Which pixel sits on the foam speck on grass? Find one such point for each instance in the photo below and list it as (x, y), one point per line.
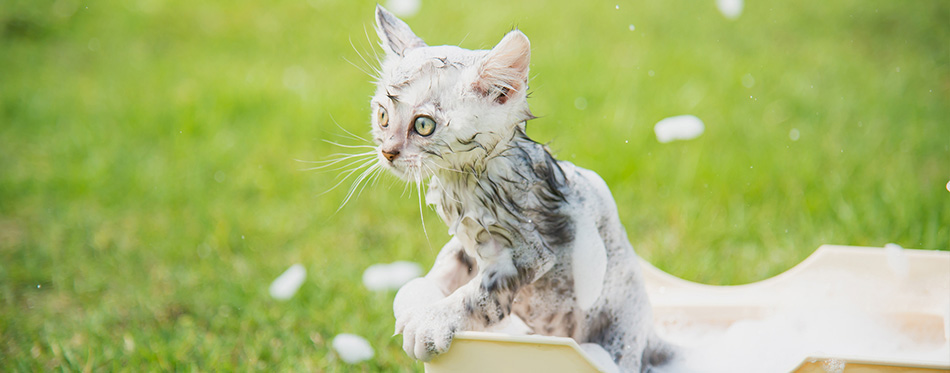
(286, 285)
(390, 276)
(352, 348)
(681, 127)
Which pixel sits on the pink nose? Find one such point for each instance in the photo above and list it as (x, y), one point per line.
(390, 154)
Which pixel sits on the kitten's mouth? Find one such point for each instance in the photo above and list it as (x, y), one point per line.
(408, 168)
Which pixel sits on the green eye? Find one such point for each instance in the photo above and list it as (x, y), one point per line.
(424, 125)
(382, 117)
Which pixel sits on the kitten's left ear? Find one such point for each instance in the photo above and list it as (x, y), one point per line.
(395, 35)
(505, 70)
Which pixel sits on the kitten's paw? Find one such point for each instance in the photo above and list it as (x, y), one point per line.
(428, 331)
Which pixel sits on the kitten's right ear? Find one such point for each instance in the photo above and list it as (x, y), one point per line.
(394, 34)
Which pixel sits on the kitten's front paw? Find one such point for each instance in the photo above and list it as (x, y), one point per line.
(427, 331)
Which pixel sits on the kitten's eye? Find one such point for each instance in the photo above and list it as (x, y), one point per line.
(382, 117)
(424, 125)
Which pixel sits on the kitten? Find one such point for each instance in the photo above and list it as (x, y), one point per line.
(532, 236)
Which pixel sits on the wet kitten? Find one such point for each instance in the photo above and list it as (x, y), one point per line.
(532, 236)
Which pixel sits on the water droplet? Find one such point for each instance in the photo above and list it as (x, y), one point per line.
(632, 27)
(794, 134)
(580, 103)
(748, 81)
(617, 7)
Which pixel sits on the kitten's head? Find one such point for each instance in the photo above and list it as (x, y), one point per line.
(444, 107)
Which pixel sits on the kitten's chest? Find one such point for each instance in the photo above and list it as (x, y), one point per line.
(473, 216)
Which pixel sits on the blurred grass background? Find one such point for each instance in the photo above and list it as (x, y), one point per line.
(149, 188)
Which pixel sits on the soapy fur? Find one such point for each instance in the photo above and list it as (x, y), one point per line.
(532, 236)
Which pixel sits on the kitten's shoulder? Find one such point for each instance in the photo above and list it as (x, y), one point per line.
(585, 183)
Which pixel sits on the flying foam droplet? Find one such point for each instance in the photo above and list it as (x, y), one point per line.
(404, 8)
(682, 127)
(352, 348)
(286, 285)
(896, 259)
(793, 134)
(390, 276)
(730, 9)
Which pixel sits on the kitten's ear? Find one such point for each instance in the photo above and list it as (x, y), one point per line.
(394, 34)
(505, 70)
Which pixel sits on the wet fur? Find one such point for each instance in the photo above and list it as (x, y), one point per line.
(520, 219)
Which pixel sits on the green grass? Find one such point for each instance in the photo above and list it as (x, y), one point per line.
(149, 188)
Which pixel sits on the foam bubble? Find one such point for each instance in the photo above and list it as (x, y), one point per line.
(286, 285)
(352, 348)
(390, 276)
(730, 9)
(416, 292)
(896, 259)
(682, 127)
(600, 357)
(833, 366)
(404, 8)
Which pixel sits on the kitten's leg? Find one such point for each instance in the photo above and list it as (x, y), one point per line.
(485, 300)
(452, 269)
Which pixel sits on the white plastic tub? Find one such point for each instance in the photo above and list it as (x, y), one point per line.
(909, 289)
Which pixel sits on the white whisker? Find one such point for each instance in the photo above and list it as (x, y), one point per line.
(421, 215)
(356, 184)
(325, 168)
(358, 67)
(351, 134)
(347, 175)
(349, 146)
(375, 70)
(375, 172)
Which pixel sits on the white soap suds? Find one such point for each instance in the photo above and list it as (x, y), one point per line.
(352, 348)
(833, 366)
(404, 8)
(600, 357)
(286, 285)
(682, 127)
(896, 259)
(511, 325)
(589, 263)
(828, 314)
(390, 276)
(779, 343)
(730, 9)
(417, 292)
